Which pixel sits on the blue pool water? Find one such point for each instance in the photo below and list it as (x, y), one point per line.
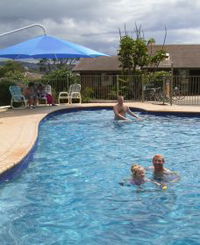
(70, 192)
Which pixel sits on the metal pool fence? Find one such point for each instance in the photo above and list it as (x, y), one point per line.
(173, 90)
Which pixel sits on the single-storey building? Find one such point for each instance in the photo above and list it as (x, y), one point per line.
(183, 61)
(184, 58)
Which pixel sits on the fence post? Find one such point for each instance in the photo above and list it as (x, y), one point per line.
(171, 89)
(142, 81)
(117, 85)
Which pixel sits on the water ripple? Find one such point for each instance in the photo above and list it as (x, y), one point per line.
(70, 193)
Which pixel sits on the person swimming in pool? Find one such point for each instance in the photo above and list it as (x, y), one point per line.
(120, 110)
(138, 177)
(160, 173)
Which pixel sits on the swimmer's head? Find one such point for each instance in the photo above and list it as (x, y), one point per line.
(138, 171)
(158, 162)
(120, 99)
(158, 159)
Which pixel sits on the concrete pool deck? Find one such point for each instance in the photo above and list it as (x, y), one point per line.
(19, 128)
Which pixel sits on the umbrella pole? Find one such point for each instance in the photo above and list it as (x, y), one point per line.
(25, 27)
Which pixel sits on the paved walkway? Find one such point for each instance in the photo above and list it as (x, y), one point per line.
(19, 128)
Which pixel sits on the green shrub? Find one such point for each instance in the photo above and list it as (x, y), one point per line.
(11, 66)
(87, 94)
(4, 91)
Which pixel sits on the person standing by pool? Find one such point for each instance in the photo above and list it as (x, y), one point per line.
(120, 110)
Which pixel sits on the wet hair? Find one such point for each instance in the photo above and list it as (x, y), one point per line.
(159, 156)
(136, 167)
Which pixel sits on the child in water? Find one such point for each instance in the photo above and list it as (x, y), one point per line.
(139, 177)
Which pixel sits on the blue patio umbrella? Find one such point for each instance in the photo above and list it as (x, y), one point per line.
(48, 47)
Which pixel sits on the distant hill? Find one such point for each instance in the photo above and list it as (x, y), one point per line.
(30, 65)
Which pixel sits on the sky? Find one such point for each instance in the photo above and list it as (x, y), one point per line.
(96, 23)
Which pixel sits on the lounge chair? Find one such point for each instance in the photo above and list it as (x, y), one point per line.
(74, 93)
(17, 97)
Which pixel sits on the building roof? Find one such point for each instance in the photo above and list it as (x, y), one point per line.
(182, 56)
(103, 63)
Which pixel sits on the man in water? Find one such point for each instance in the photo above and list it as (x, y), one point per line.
(120, 110)
(160, 173)
(158, 164)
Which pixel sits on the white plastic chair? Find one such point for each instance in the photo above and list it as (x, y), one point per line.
(74, 93)
(63, 96)
(17, 97)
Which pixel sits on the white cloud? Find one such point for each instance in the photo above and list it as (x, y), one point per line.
(95, 24)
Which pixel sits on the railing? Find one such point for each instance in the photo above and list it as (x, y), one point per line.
(172, 90)
(176, 90)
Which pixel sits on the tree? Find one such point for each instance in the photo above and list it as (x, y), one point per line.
(135, 54)
(126, 54)
(138, 57)
(11, 67)
(11, 73)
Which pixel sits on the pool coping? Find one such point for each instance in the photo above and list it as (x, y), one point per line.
(19, 128)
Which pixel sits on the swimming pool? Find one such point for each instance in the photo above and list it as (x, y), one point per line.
(70, 192)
